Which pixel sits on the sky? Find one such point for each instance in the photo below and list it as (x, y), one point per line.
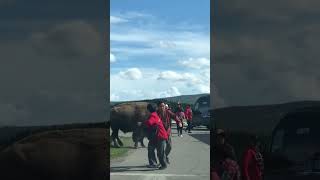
(266, 52)
(159, 49)
(52, 62)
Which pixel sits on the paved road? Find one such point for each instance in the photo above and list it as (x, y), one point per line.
(190, 160)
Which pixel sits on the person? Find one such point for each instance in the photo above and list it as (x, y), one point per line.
(253, 164)
(180, 109)
(165, 116)
(157, 136)
(220, 147)
(181, 116)
(214, 175)
(227, 169)
(188, 114)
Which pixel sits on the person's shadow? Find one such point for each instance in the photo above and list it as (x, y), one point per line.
(131, 168)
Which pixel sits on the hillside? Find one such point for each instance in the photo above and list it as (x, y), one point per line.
(185, 99)
(255, 119)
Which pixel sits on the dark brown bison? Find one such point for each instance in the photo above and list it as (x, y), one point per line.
(79, 154)
(128, 117)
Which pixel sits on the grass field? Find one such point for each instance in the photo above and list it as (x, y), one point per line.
(122, 151)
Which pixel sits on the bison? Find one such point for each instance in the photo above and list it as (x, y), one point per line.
(129, 117)
(57, 155)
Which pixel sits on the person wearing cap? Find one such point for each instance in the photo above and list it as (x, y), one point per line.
(220, 147)
(166, 115)
(252, 165)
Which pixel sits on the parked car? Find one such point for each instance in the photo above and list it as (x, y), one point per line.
(295, 147)
(201, 112)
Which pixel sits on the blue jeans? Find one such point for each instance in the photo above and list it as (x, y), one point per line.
(161, 147)
(151, 153)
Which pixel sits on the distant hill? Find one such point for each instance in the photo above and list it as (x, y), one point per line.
(185, 99)
(255, 119)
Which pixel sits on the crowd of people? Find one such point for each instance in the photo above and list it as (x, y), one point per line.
(226, 165)
(159, 131)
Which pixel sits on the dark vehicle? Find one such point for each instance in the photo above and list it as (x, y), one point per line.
(295, 147)
(201, 113)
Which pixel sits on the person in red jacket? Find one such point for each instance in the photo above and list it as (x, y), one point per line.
(166, 115)
(182, 117)
(188, 114)
(252, 161)
(159, 140)
(214, 175)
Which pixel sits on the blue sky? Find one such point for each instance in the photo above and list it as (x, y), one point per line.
(159, 48)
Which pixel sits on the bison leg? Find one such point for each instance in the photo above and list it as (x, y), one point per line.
(118, 139)
(141, 142)
(135, 138)
(114, 138)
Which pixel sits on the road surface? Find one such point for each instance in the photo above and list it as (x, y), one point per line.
(189, 160)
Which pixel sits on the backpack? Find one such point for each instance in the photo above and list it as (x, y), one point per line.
(231, 170)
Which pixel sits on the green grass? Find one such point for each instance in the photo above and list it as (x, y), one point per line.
(122, 151)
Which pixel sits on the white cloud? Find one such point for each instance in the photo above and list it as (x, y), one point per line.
(112, 58)
(131, 74)
(174, 76)
(162, 41)
(169, 75)
(196, 63)
(128, 95)
(148, 87)
(203, 88)
(142, 39)
(114, 97)
(167, 44)
(173, 91)
(116, 20)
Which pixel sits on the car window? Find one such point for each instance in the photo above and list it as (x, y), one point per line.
(196, 107)
(277, 144)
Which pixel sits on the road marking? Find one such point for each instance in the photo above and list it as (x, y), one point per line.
(158, 174)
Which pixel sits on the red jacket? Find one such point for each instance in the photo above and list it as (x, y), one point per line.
(155, 120)
(166, 120)
(214, 175)
(251, 169)
(188, 114)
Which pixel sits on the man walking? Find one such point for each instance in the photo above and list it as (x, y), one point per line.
(166, 115)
